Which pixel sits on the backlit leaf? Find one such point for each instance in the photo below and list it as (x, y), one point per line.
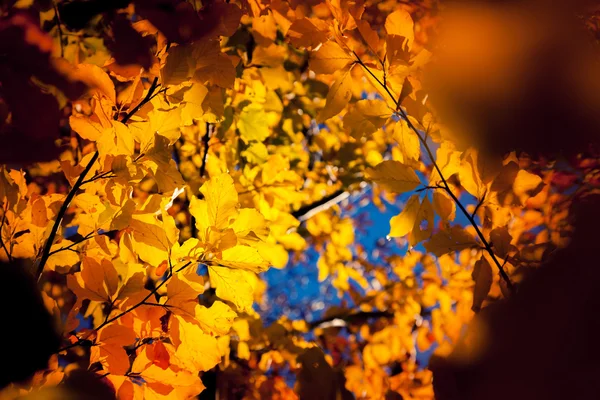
(394, 176)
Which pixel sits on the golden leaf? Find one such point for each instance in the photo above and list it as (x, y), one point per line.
(329, 58)
(394, 176)
(233, 285)
(453, 239)
(403, 223)
(338, 96)
(253, 123)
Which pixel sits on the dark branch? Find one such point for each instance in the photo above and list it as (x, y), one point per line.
(205, 140)
(304, 213)
(79, 182)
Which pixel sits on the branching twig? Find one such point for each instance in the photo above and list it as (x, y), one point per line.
(102, 175)
(479, 205)
(79, 182)
(86, 237)
(61, 214)
(445, 184)
(108, 320)
(146, 99)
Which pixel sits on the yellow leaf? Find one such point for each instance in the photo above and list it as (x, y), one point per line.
(62, 260)
(196, 351)
(444, 206)
(454, 239)
(253, 123)
(338, 96)
(243, 257)
(270, 56)
(394, 176)
(179, 65)
(233, 285)
(400, 23)
(483, 277)
(86, 127)
(469, 176)
(500, 240)
(250, 226)
(448, 161)
(408, 143)
(329, 58)
(150, 240)
(116, 140)
(96, 281)
(193, 99)
(217, 319)
(304, 33)
(423, 223)
(403, 223)
(98, 80)
(526, 185)
(256, 153)
(366, 117)
(369, 35)
(183, 294)
(221, 200)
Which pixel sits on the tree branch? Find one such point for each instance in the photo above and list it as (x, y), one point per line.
(79, 182)
(107, 321)
(205, 140)
(61, 214)
(445, 184)
(348, 318)
(307, 211)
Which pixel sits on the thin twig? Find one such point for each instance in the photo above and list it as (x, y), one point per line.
(79, 182)
(306, 212)
(116, 317)
(205, 140)
(103, 175)
(146, 99)
(1, 228)
(479, 205)
(61, 214)
(86, 237)
(60, 32)
(445, 184)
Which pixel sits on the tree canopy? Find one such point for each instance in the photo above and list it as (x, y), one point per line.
(160, 155)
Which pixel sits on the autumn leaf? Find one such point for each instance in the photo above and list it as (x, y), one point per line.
(329, 58)
(483, 277)
(338, 96)
(394, 176)
(404, 222)
(253, 123)
(233, 285)
(423, 223)
(196, 350)
(444, 205)
(446, 241)
(366, 117)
